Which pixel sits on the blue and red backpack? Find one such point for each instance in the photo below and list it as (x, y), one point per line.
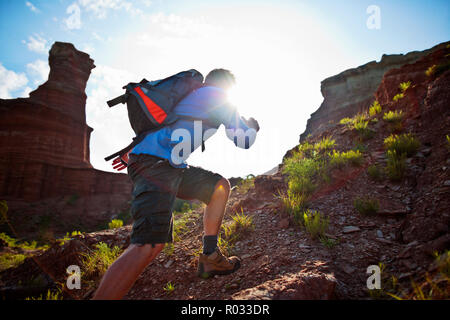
(150, 106)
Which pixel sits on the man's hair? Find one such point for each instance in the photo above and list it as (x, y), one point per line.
(220, 78)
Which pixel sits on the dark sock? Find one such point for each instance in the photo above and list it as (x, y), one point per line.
(209, 244)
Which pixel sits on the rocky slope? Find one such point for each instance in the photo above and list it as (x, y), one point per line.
(44, 154)
(352, 91)
(280, 260)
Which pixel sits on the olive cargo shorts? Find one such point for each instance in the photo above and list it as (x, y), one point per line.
(156, 184)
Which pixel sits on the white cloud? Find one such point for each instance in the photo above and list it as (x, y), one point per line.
(26, 92)
(32, 7)
(38, 70)
(74, 20)
(10, 81)
(37, 44)
(100, 7)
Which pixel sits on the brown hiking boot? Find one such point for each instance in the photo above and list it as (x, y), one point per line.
(216, 263)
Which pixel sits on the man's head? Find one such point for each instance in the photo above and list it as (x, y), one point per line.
(221, 78)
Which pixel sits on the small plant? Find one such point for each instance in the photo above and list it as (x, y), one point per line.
(393, 116)
(234, 231)
(366, 205)
(328, 242)
(301, 172)
(375, 108)
(396, 165)
(169, 288)
(315, 223)
(49, 296)
(431, 70)
(405, 143)
(169, 249)
(375, 173)
(346, 121)
(436, 70)
(246, 184)
(448, 140)
(98, 261)
(115, 223)
(239, 226)
(225, 245)
(360, 147)
(324, 145)
(404, 86)
(341, 159)
(398, 96)
(294, 204)
(10, 260)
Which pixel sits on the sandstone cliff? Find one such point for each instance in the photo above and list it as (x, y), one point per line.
(44, 142)
(353, 90)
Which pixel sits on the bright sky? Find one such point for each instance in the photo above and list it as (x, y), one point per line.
(279, 51)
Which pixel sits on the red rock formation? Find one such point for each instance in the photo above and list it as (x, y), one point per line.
(352, 90)
(45, 139)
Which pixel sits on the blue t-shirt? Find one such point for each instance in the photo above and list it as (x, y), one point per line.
(176, 141)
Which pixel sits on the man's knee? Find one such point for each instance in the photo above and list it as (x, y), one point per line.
(223, 185)
(149, 251)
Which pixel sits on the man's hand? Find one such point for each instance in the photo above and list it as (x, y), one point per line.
(251, 123)
(121, 163)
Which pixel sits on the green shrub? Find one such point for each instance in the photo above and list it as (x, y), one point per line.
(294, 204)
(10, 260)
(325, 144)
(431, 70)
(366, 205)
(98, 261)
(396, 165)
(375, 108)
(246, 184)
(49, 296)
(436, 70)
(302, 172)
(169, 288)
(404, 86)
(328, 242)
(115, 223)
(240, 225)
(375, 173)
(341, 159)
(360, 147)
(14, 243)
(315, 223)
(404, 143)
(346, 121)
(393, 116)
(301, 185)
(398, 96)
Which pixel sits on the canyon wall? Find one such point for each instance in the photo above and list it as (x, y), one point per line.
(352, 91)
(45, 141)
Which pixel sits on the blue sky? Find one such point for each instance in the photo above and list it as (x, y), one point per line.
(279, 51)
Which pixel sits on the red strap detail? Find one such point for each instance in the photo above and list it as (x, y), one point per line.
(155, 110)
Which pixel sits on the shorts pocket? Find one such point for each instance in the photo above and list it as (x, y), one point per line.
(142, 187)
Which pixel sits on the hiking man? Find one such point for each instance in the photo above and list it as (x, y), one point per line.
(159, 177)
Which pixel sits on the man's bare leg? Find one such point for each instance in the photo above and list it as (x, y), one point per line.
(122, 274)
(212, 219)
